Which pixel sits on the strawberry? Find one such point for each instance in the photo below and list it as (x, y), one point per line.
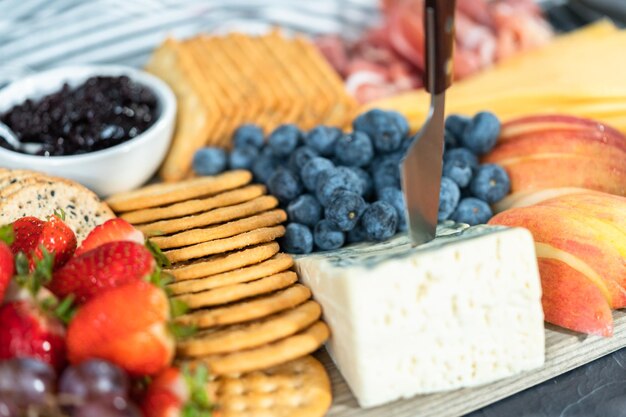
(126, 325)
(33, 234)
(7, 263)
(107, 266)
(28, 331)
(175, 393)
(110, 231)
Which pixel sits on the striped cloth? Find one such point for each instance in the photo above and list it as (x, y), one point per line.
(40, 34)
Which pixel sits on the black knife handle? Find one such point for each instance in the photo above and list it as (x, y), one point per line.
(438, 26)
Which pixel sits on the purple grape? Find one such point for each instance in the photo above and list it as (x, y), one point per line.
(8, 407)
(117, 408)
(26, 381)
(93, 379)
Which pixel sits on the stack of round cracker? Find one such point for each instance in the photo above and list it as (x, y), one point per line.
(220, 235)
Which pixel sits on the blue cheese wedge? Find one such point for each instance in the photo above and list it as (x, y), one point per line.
(460, 311)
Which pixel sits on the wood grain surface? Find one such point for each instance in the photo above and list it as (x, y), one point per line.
(564, 351)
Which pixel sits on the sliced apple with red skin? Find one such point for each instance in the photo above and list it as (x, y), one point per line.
(555, 151)
(529, 198)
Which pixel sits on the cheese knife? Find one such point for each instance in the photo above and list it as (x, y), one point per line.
(422, 165)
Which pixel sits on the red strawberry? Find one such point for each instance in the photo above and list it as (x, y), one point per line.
(110, 231)
(126, 325)
(173, 390)
(27, 331)
(7, 268)
(107, 266)
(31, 234)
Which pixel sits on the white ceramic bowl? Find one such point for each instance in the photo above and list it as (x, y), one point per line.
(108, 171)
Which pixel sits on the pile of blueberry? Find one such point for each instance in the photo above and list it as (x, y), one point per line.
(342, 188)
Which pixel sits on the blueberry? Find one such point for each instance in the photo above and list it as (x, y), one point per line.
(312, 169)
(357, 234)
(248, 135)
(345, 209)
(450, 141)
(209, 161)
(380, 221)
(354, 149)
(458, 170)
(327, 237)
(491, 183)
(400, 121)
(449, 196)
(339, 178)
(456, 124)
(305, 209)
(472, 211)
(300, 157)
(284, 185)
(461, 154)
(386, 173)
(481, 133)
(322, 139)
(367, 184)
(284, 140)
(382, 128)
(395, 197)
(243, 157)
(298, 239)
(264, 167)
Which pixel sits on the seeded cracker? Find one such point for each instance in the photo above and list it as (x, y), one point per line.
(195, 117)
(253, 308)
(223, 263)
(216, 216)
(271, 354)
(195, 236)
(279, 263)
(299, 388)
(231, 293)
(252, 334)
(157, 195)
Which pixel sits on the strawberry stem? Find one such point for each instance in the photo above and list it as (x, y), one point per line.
(158, 255)
(6, 234)
(199, 404)
(65, 310)
(60, 213)
(181, 332)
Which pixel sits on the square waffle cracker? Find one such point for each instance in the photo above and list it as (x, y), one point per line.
(271, 354)
(274, 48)
(250, 334)
(237, 292)
(285, 89)
(278, 263)
(250, 309)
(254, 85)
(195, 206)
(157, 195)
(214, 247)
(196, 116)
(240, 89)
(300, 388)
(218, 264)
(211, 217)
(214, 89)
(196, 236)
(343, 104)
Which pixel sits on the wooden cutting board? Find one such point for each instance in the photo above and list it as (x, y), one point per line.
(565, 350)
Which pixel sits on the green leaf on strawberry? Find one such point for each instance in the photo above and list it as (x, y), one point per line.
(7, 235)
(199, 404)
(159, 257)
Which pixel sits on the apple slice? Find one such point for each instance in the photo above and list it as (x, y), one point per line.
(529, 198)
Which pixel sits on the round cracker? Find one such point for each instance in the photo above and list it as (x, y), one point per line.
(290, 348)
(243, 240)
(251, 334)
(300, 388)
(167, 193)
(187, 208)
(278, 263)
(231, 293)
(224, 262)
(255, 308)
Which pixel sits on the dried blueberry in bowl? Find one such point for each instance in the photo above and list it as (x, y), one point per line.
(101, 112)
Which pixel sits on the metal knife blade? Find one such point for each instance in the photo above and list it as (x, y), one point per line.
(422, 166)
